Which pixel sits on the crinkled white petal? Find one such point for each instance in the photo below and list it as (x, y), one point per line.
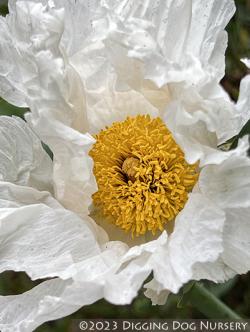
(246, 62)
(228, 186)
(74, 182)
(57, 91)
(197, 238)
(210, 105)
(49, 300)
(23, 159)
(116, 107)
(243, 103)
(106, 71)
(207, 38)
(175, 39)
(11, 87)
(74, 80)
(56, 99)
(236, 239)
(57, 94)
(30, 28)
(196, 241)
(43, 239)
(105, 101)
(62, 238)
(156, 292)
(15, 196)
(201, 120)
(136, 266)
(217, 271)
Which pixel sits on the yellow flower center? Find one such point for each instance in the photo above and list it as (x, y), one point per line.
(142, 176)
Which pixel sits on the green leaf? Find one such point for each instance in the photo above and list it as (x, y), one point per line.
(8, 109)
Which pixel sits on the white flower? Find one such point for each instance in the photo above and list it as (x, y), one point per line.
(80, 68)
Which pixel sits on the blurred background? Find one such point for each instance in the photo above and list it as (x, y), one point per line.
(236, 292)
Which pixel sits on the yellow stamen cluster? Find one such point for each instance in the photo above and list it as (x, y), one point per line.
(143, 179)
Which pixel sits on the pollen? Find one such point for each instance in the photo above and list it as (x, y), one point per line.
(142, 176)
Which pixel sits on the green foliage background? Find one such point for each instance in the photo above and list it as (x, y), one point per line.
(236, 292)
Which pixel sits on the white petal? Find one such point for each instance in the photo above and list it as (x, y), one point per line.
(243, 103)
(197, 238)
(236, 239)
(217, 271)
(50, 300)
(57, 112)
(14, 196)
(246, 62)
(23, 159)
(11, 87)
(56, 100)
(123, 287)
(228, 184)
(116, 107)
(43, 240)
(94, 66)
(40, 237)
(190, 133)
(106, 101)
(74, 182)
(156, 292)
(201, 122)
(207, 38)
(186, 42)
(136, 265)
(175, 39)
(36, 30)
(30, 28)
(51, 84)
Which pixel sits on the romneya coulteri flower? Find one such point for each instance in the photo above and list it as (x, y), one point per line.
(126, 95)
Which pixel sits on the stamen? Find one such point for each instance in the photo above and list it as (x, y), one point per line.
(142, 176)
